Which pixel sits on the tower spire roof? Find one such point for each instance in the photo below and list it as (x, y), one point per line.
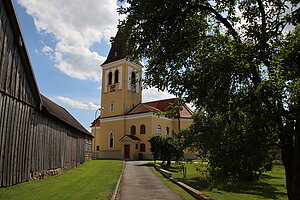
(118, 47)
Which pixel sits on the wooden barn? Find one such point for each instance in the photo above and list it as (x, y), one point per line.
(37, 137)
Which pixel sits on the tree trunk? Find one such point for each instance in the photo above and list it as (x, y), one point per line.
(168, 162)
(290, 152)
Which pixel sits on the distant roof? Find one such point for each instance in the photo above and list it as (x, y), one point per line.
(161, 106)
(61, 113)
(96, 122)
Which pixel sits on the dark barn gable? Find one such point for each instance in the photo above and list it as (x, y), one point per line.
(37, 137)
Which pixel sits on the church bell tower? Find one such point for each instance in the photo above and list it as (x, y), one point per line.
(121, 80)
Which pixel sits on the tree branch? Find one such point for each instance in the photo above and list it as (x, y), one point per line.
(220, 18)
(263, 16)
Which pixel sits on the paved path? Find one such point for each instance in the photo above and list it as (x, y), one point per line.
(139, 183)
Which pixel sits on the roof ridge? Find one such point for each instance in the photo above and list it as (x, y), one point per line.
(161, 100)
(147, 106)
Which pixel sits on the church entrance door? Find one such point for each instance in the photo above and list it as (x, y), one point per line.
(127, 151)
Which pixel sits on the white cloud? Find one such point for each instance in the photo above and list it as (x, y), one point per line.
(152, 94)
(47, 49)
(78, 104)
(76, 26)
(78, 62)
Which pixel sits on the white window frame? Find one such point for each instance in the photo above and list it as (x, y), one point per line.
(112, 107)
(159, 129)
(113, 137)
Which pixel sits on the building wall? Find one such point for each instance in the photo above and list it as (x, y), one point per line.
(121, 126)
(33, 144)
(117, 128)
(122, 98)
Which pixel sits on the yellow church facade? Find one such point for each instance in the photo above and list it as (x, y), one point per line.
(126, 124)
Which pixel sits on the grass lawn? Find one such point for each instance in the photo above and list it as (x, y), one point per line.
(271, 185)
(95, 179)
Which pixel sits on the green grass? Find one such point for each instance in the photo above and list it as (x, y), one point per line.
(95, 179)
(178, 190)
(270, 186)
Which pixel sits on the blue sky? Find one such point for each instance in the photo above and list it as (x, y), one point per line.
(67, 41)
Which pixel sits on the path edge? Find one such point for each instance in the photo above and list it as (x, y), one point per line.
(192, 191)
(115, 195)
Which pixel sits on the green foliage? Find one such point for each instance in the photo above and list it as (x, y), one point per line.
(165, 148)
(233, 149)
(216, 52)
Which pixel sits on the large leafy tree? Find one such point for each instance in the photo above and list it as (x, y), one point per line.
(220, 51)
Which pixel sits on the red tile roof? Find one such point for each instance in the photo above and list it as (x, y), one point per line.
(160, 106)
(96, 122)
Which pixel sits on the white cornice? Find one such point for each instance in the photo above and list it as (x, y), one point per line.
(185, 120)
(141, 115)
(121, 61)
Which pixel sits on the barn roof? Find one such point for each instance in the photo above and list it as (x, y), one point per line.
(61, 113)
(161, 106)
(22, 49)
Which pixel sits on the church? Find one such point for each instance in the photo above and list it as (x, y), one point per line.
(126, 124)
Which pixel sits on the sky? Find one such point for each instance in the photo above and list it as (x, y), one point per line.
(67, 41)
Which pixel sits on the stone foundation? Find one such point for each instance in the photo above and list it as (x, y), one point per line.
(51, 172)
(45, 173)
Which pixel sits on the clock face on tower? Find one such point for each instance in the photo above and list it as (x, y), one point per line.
(112, 88)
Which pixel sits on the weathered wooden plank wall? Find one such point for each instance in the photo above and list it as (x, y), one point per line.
(31, 140)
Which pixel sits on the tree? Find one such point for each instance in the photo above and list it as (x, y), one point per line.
(234, 150)
(215, 52)
(165, 148)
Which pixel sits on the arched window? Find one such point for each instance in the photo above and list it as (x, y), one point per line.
(109, 78)
(142, 148)
(132, 130)
(133, 77)
(117, 76)
(142, 129)
(167, 130)
(111, 140)
(111, 107)
(158, 129)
